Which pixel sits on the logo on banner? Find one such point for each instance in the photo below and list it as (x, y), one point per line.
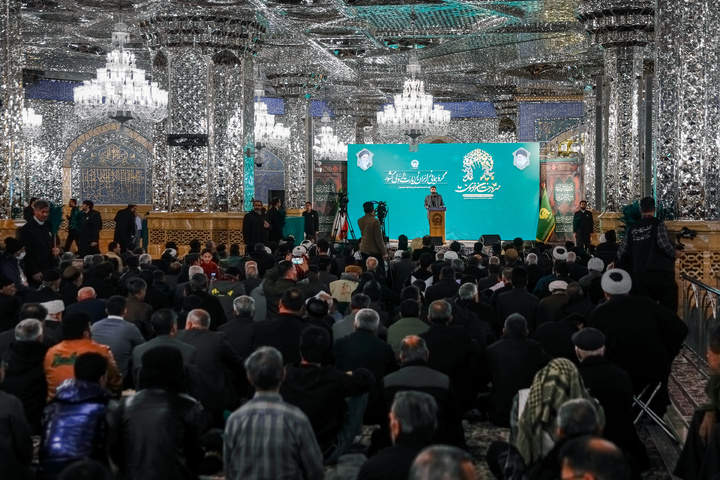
(415, 164)
(479, 177)
(521, 158)
(364, 158)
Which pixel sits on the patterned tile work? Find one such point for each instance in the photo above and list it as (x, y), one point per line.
(528, 112)
(56, 90)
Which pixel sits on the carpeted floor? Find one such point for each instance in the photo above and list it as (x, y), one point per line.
(686, 390)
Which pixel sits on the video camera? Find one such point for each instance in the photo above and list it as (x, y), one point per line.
(382, 210)
(684, 233)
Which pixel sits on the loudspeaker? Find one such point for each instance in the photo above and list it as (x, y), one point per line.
(488, 240)
(437, 241)
(276, 193)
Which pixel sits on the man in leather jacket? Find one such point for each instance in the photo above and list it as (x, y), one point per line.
(160, 427)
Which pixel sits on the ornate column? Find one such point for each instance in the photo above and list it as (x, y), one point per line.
(297, 112)
(587, 136)
(203, 57)
(298, 89)
(11, 141)
(621, 29)
(688, 116)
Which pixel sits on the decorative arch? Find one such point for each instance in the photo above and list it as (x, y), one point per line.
(111, 164)
(225, 57)
(439, 139)
(160, 60)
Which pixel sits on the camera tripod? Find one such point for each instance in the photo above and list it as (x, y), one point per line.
(340, 217)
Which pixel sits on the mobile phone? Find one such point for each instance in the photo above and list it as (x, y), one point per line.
(297, 260)
(213, 275)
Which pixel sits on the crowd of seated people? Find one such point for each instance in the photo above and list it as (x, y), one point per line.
(267, 365)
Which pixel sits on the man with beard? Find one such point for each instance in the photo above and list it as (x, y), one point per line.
(583, 225)
(89, 237)
(255, 226)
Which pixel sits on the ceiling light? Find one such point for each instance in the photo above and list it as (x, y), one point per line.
(120, 91)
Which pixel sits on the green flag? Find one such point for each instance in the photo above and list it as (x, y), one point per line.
(546, 222)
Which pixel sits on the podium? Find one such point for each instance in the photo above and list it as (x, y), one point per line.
(436, 218)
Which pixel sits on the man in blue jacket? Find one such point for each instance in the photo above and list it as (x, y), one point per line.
(75, 424)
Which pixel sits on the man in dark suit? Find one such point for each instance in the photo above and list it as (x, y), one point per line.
(125, 227)
(41, 251)
(583, 225)
(446, 287)
(535, 273)
(312, 222)
(87, 302)
(221, 374)
(138, 312)
(211, 304)
(400, 270)
(492, 278)
(454, 353)
(276, 218)
(255, 226)
(414, 374)
(362, 349)
(164, 322)
(427, 247)
(283, 332)
(513, 361)
(506, 287)
(475, 267)
(239, 329)
(89, 237)
(518, 300)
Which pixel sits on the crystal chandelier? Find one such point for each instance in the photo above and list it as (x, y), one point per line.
(267, 130)
(120, 91)
(413, 113)
(31, 122)
(327, 145)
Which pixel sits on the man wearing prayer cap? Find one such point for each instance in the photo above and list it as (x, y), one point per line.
(549, 305)
(611, 386)
(641, 336)
(49, 289)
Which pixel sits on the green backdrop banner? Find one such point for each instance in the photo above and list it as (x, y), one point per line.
(488, 188)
